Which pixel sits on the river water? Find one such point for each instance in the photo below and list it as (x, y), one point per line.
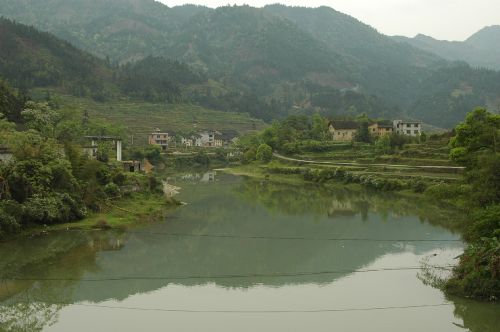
(246, 255)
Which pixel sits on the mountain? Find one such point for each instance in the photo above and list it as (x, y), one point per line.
(123, 30)
(30, 58)
(479, 50)
(33, 59)
(268, 62)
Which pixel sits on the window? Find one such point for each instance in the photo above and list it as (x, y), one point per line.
(408, 132)
(408, 125)
(415, 132)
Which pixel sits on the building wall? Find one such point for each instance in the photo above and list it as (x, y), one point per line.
(161, 139)
(343, 135)
(407, 128)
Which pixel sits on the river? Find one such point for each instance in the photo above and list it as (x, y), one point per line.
(246, 255)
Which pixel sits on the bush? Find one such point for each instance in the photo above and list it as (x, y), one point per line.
(112, 190)
(8, 223)
(249, 156)
(478, 274)
(264, 153)
(201, 158)
(53, 209)
(485, 223)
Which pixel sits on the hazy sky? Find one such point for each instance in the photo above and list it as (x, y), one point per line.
(441, 19)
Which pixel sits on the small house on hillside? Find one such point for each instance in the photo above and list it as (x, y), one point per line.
(342, 130)
(408, 128)
(381, 128)
(226, 137)
(159, 138)
(210, 139)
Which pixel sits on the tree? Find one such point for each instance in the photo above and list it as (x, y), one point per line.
(319, 127)
(383, 144)
(264, 153)
(476, 146)
(479, 134)
(363, 134)
(41, 117)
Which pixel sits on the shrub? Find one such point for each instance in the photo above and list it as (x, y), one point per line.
(485, 223)
(264, 153)
(112, 190)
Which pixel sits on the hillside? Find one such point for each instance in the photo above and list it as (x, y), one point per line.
(268, 62)
(479, 50)
(30, 58)
(121, 29)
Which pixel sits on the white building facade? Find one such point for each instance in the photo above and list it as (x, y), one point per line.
(408, 128)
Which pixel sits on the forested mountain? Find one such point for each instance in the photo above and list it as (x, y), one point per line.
(30, 58)
(268, 62)
(479, 50)
(121, 29)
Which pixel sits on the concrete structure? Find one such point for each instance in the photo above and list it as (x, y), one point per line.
(5, 154)
(343, 131)
(408, 128)
(92, 149)
(134, 166)
(159, 138)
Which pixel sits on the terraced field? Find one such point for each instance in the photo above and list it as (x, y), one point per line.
(141, 118)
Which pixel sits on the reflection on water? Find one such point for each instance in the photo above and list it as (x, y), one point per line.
(243, 245)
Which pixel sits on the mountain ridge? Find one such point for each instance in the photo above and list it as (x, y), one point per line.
(270, 61)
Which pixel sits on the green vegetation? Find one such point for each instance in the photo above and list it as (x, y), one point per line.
(140, 118)
(476, 145)
(49, 179)
(268, 62)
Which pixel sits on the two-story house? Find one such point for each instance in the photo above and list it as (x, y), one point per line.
(408, 128)
(159, 138)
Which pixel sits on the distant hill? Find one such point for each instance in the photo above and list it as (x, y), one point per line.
(30, 58)
(268, 62)
(482, 49)
(123, 30)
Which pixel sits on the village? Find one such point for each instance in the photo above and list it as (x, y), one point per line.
(338, 130)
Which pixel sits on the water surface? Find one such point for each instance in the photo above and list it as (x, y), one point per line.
(245, 255)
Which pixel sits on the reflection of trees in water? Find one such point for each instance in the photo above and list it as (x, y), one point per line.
(477, 316)
(320, 201)
(28, 305)
(28, 317)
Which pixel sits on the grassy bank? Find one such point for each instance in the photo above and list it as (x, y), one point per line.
(127, 212)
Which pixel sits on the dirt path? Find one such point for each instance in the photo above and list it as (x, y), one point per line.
(451, 168)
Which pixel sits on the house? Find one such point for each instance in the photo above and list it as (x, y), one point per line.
(228, 137)
(159, 138)
(207, 138)
(343, 131)
(210, 138)
(408, 128)
(381, 128)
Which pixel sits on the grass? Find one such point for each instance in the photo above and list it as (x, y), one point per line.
(140, 208)
(141, 118)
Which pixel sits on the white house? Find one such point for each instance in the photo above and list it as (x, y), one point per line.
(408, 128)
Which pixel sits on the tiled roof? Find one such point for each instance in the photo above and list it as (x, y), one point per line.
(344, 124)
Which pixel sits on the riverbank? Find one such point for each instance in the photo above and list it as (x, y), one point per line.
(125, 213)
